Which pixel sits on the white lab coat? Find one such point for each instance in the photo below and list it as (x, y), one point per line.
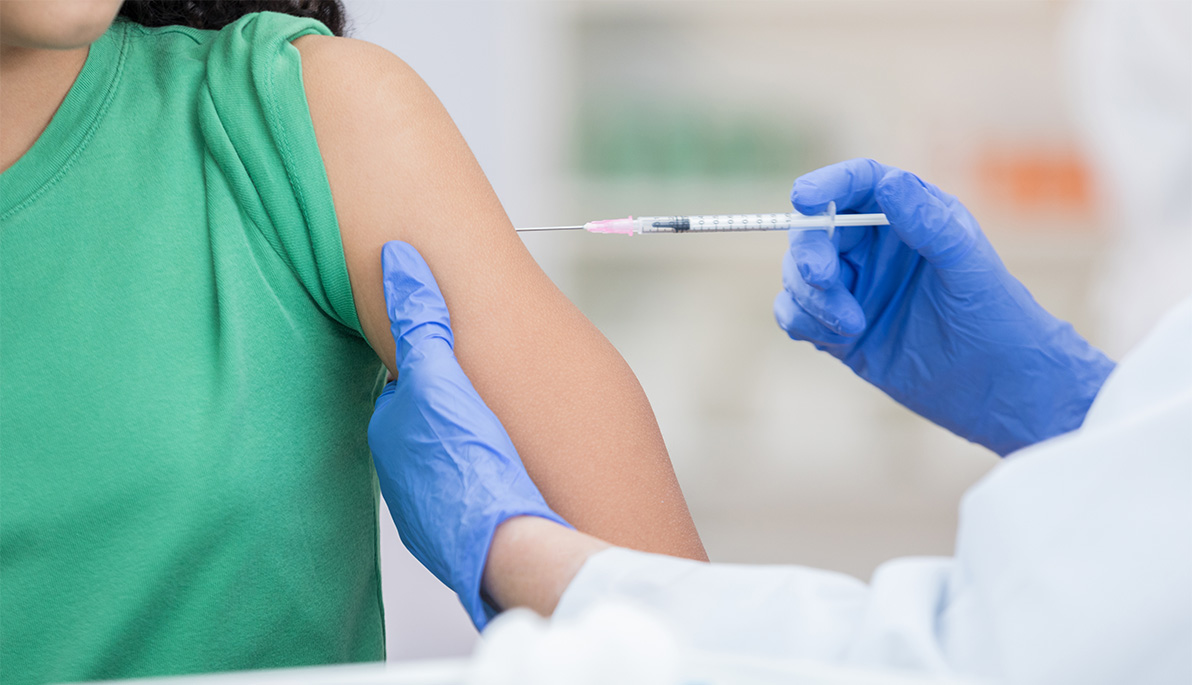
(1073, 561)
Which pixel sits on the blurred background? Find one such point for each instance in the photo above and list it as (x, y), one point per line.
(1063, 126)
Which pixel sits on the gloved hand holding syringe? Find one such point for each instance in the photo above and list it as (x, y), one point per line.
(715, 223)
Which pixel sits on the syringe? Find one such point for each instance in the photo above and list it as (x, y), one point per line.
(716, 223)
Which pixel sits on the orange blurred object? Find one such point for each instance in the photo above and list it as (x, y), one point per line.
(1036, 179)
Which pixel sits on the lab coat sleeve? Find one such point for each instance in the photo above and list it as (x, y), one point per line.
(1074, 557)
(1073, 562)
(777, 611)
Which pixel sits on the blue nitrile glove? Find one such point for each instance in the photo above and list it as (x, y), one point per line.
(447, 469)
(925, 310)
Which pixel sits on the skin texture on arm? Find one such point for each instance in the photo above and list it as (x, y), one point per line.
(399, 170)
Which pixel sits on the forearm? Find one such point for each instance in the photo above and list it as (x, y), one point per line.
(533, 560)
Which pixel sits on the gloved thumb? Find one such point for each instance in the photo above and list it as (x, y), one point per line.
(943, 232)
(417, 313)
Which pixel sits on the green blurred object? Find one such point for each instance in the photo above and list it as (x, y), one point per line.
(631, 140)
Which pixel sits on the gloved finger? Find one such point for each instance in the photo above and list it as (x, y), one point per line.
(417, 311)
(815, 257)
(818, 257)
(800, 325)
(941, 231)
(386, 396)
(848, 237)
(834, 306)
(849, 184)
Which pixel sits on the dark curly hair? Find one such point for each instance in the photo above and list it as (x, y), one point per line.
(216, 14)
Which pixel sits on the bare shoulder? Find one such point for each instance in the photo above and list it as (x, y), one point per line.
(381, 129)
(358, 80)
(347, 66)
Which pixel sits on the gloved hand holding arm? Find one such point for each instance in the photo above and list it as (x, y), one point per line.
(925, 310)
(447, 468)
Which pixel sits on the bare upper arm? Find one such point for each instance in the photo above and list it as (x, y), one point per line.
(399, 169)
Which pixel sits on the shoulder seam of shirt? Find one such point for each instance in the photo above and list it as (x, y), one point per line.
(178, 29)
(283, 139)
(288, 164)
(92, 127)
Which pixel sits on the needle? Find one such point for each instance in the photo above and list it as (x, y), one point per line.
(551, 228)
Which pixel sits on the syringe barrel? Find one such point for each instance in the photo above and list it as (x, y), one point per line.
(707, 223)
(714, 223)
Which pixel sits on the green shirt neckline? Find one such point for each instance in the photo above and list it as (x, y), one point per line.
(71, 127)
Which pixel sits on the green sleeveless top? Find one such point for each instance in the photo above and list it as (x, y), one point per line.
(185, 482)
